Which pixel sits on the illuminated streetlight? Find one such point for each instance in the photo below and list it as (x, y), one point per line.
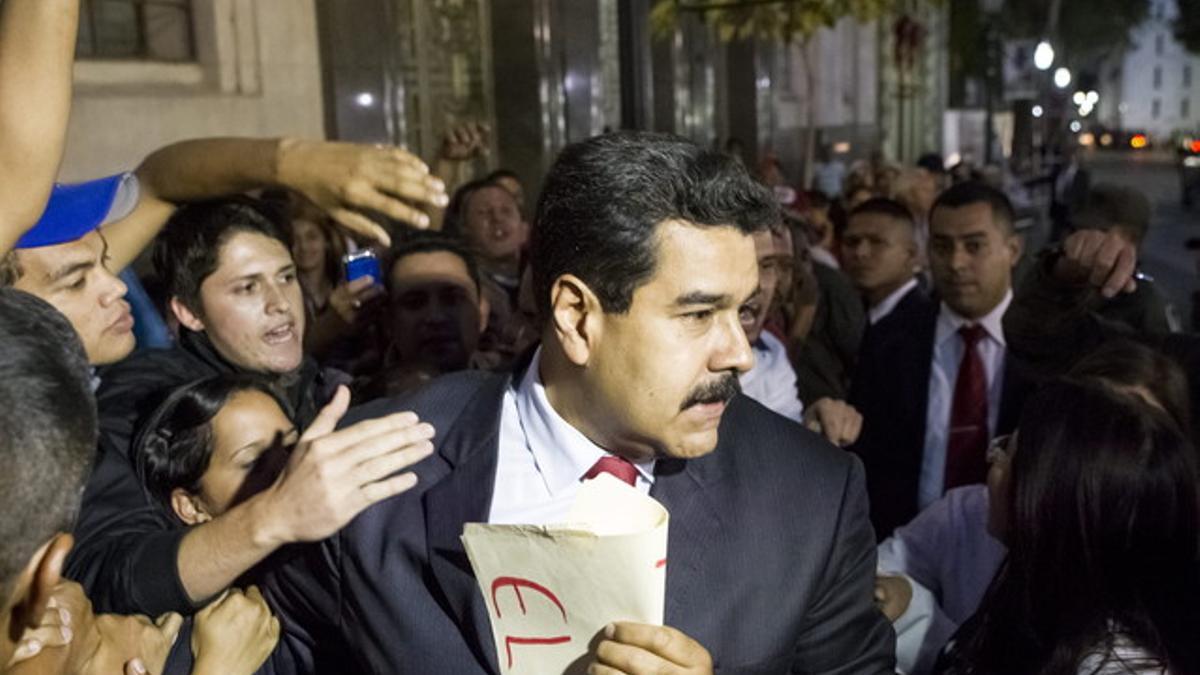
(365, 99)
(1037, 111)
(1043, 56)
(1093, 97)
(1079, 98)
(1076, 126)
(1062, 78)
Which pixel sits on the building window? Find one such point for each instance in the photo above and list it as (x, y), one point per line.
(1159, 44)
(1155, 108)
(150, 30)
(1187, 76)
(1157, 77)
(1185, 108)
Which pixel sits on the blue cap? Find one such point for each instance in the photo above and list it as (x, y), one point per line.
(77, 209)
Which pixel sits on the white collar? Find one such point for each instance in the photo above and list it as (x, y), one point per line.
(562, 453)
(949, 321)
(889, 303)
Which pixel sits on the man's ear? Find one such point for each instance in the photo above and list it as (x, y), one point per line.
(575, 315)
(188, 507)
(36, 584)
(1016, 246)
(187, 318)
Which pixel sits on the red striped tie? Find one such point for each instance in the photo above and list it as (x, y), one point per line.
(966, 447)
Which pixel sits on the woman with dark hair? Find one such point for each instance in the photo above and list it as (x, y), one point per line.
(936, 569)
(1138, 369)
(212, 444)
(339, 312)
(1096, 498)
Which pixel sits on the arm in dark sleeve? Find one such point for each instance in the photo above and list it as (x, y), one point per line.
(126, 548)
(1049, 324)
(301, 583)
(846, 632)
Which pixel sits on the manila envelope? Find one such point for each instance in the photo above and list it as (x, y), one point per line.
(551, 589)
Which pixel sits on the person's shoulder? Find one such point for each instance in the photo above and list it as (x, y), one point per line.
(774, 445)
(146, 371)
(913, 320)
(440, 399)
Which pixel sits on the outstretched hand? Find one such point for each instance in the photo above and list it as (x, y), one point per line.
(345, 178)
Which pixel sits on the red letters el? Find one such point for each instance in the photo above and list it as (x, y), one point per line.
(517, 583)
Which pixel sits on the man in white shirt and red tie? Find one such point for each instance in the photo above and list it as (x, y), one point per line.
(934, 385)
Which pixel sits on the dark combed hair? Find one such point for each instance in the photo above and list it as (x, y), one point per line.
(1127, 364)
(884, 207)
(605, 197)
(174, 445)
(1109, 206)
(1102, 532)
(978, 192)
(426, 241)
(48, 427)
(187, 250)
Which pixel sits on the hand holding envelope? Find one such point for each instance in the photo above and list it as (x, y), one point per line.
(552, 590)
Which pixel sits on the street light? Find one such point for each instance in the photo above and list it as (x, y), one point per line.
(1043, 56)
(1062, 78)
(1037, 111)
(1079, 98)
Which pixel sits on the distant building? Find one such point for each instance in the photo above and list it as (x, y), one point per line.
(1155, 85)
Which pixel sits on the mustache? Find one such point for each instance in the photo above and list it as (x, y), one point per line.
(718, 391)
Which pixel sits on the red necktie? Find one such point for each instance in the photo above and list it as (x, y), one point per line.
(622, 468)
(966, 447)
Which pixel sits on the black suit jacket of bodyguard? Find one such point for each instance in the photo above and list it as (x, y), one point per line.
(891, 389)
(771, 555)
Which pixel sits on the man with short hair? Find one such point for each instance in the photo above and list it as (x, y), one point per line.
(49, 419)
(879, 254)
(437, 311)
(485, 215)
(936, 387)
(642, 256)
(772, 380)
(233, 288)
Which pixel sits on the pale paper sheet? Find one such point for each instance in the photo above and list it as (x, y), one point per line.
(550, 590)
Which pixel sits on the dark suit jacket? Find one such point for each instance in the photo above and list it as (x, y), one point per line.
(891, 390)
(772, 556)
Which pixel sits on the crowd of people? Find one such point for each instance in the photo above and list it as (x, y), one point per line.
(252, 390)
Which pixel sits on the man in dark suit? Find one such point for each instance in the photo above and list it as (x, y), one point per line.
(642, 257)
(933, 382)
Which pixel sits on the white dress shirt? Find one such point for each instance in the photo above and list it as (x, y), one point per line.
(542, 457)
(889, 303)
(772, 380)
(947, 356)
